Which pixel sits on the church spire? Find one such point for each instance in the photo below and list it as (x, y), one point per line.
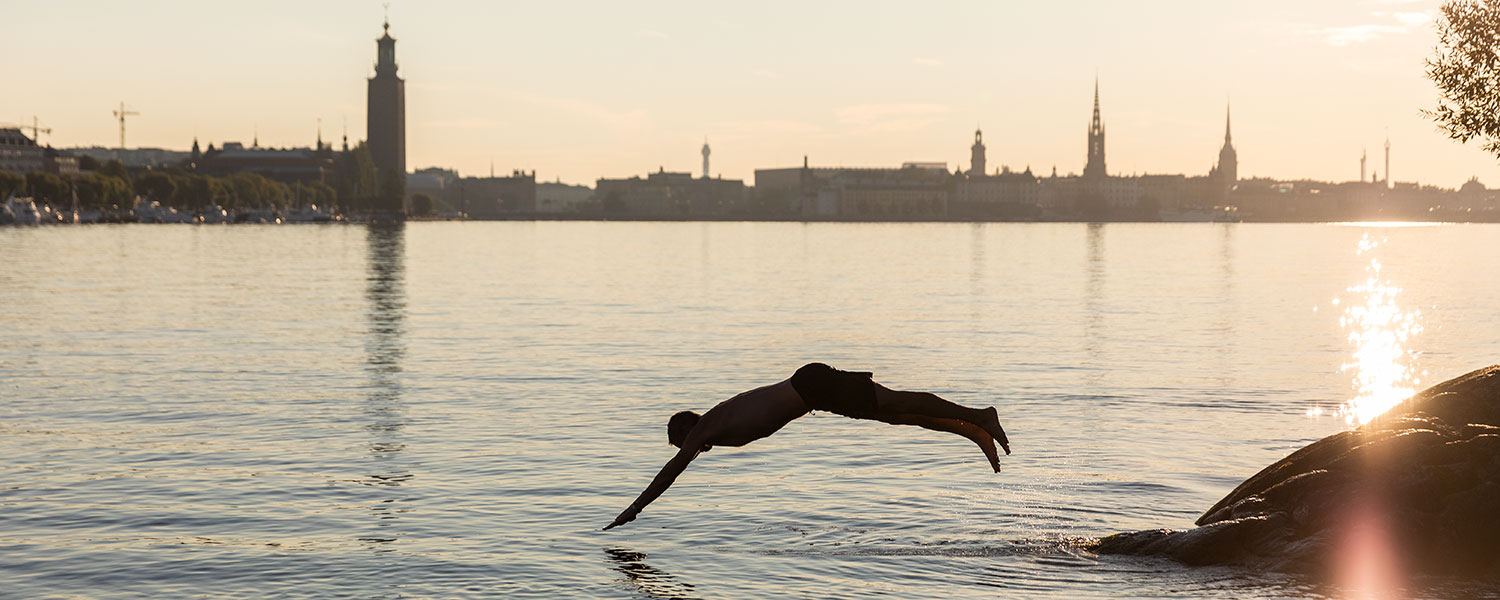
(1095, 165)
(1226, 123)
(1098, 123)
(1229, 160)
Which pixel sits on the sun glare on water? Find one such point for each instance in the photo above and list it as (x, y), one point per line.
(1383, 366)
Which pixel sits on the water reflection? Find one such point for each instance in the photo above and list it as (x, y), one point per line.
(976, 269)
(1229, 310)
(1384, 374)
(649, 581)
(1093, 312)
(385, 347)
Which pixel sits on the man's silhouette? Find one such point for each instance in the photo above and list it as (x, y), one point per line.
(762, 411)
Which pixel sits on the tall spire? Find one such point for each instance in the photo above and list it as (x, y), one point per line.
(1229, 161)
(1226, 122)
(1097, 123)
(319, 147)
(1095, 165)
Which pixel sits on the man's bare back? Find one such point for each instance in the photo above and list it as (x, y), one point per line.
(760, 412)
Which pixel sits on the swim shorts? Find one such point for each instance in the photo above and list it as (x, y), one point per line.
(849, 393)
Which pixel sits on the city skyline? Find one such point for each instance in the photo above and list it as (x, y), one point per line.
(1344, 74)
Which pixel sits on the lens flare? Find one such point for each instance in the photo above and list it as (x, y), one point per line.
(1383, 367)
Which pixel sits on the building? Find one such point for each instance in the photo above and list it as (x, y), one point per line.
(669, 193)
(135, 158)
(386, 115)
(287, 165)
(18, 153)
(558, 197)
(1168, 192)
(434, 183)
(916, 191)
(1006, 195)
(60, 162)
(495, 197)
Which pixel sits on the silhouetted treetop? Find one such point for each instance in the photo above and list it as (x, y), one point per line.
(1466, 69)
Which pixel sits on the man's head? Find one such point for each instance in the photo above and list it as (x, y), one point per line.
(679, 426)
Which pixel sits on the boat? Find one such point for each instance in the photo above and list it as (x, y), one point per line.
(154, 212)
(310, 214)
(214, 215)
(21, 211)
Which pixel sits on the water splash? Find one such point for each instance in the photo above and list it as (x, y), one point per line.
(1383, 366)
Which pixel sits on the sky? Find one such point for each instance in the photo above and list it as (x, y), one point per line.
(579, 90)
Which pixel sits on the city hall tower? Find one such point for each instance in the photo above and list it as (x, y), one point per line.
(386, 113)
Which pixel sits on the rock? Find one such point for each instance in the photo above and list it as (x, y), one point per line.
(1420, 485)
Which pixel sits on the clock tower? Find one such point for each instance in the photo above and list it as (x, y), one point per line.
(386, 117)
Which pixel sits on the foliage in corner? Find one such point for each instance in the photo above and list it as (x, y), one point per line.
(1466, 69)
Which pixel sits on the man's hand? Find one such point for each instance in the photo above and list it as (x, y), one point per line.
(625, 517)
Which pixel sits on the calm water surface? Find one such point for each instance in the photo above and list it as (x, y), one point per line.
(452, 410)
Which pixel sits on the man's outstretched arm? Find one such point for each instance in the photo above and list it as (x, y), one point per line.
(663, 480)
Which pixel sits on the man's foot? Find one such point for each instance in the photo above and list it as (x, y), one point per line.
(991, 424)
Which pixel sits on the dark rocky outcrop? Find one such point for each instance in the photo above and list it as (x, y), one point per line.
(1419, 485)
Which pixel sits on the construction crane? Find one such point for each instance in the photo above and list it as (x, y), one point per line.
(37, 130)
(121, 114)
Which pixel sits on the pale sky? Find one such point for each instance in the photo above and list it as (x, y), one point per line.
(579, 90)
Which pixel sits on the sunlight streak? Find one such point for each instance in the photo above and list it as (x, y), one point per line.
(1384, 371)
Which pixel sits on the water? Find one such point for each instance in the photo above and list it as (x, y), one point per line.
(453, 410)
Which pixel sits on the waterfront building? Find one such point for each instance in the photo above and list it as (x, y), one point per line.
(495, 197)
(558, 197)
(287, 165)
(386, 114)
(434, 183)
(671, 193)
(18, 153)
(916, 190)
(135, 158)
(1006, 195)
(59, 162)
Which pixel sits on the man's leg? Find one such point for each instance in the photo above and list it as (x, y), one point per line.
(964, 428)
(927, 404)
